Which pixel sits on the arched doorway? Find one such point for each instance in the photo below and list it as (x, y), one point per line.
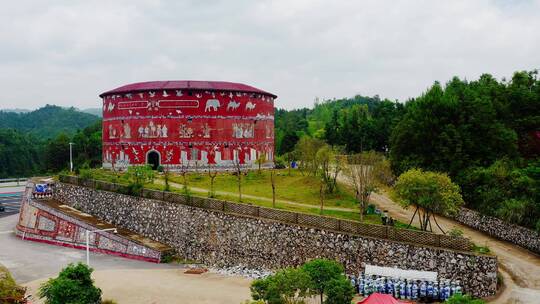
(152, 159)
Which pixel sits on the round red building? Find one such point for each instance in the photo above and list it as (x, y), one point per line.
(187, 125)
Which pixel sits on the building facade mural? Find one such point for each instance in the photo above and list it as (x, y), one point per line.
(188, 123)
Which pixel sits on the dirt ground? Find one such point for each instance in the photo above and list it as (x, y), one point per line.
(156, 286)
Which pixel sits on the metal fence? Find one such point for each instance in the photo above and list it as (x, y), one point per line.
(309, 220)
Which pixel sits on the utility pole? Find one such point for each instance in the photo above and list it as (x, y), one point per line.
(70, 157)
(114, 230)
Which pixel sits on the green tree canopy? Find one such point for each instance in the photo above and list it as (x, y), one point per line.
(289, 285)
(73, 285)
(322, 272)
(449, 129)
(429, 192)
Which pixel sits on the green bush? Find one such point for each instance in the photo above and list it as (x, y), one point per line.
(294, 285)
(289, 285)
(455, 232)
(339, 291)
(322, 271)
(481, 249)
(108, 301)
(280, 163)
(8, 287)
(86, 174)
(463, 299)
(73, 285)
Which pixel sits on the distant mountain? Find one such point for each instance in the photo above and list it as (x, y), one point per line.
(94, 111)
(47, 122)
(16, 110)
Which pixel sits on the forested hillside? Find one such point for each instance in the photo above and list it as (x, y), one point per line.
(47, 122)
(37, 142)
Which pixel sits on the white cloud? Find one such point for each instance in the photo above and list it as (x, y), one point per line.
(68, 52)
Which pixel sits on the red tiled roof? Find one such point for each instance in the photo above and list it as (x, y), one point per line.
(186, 85)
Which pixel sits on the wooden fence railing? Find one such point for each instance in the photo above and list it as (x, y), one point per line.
(315, 221)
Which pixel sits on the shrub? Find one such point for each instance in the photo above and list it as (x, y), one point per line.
(455, 232)
(280, 163)
(339, 291)
(8, 287)
(322, 271)
(481, 249)
(289, 285)
(132, 188)
(86, 174)
(463, 299)
(73, 285)
(108, 302)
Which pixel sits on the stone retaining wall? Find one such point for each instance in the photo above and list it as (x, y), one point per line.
(224, 239)
(500, 229)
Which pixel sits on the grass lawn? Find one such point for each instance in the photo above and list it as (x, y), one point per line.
(296, 188)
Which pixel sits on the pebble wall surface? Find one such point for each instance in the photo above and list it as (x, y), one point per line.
(500, 229)
(220, 239)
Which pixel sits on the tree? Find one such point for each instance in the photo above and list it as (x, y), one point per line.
(184, 171)
(332, 129)
(321, 195)
(289, 156)
(289, 285)
(87, 146)
(212, 173)
(20, 154)
(140, 175)
(429, 193)
(507, 189)
(73, 285)
(449, 129)
(330, 165)
(306, 150)
(57, 153)
(166, 178)
(273, 183)
(339, 291)
(238, 172)
(361, 172)
(261, 160)
(322, 272)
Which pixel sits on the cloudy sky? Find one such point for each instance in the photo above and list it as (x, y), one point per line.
(68, 52)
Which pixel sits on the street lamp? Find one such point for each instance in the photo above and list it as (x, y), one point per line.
(71, 157)
(88, 241)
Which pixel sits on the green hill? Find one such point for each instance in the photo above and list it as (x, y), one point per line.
(47, 122)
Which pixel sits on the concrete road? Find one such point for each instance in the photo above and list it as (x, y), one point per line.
(30, 261)
(124, 280)
(11, 203)
(10, 198)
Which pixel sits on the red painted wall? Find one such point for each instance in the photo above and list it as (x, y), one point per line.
(184, 127)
